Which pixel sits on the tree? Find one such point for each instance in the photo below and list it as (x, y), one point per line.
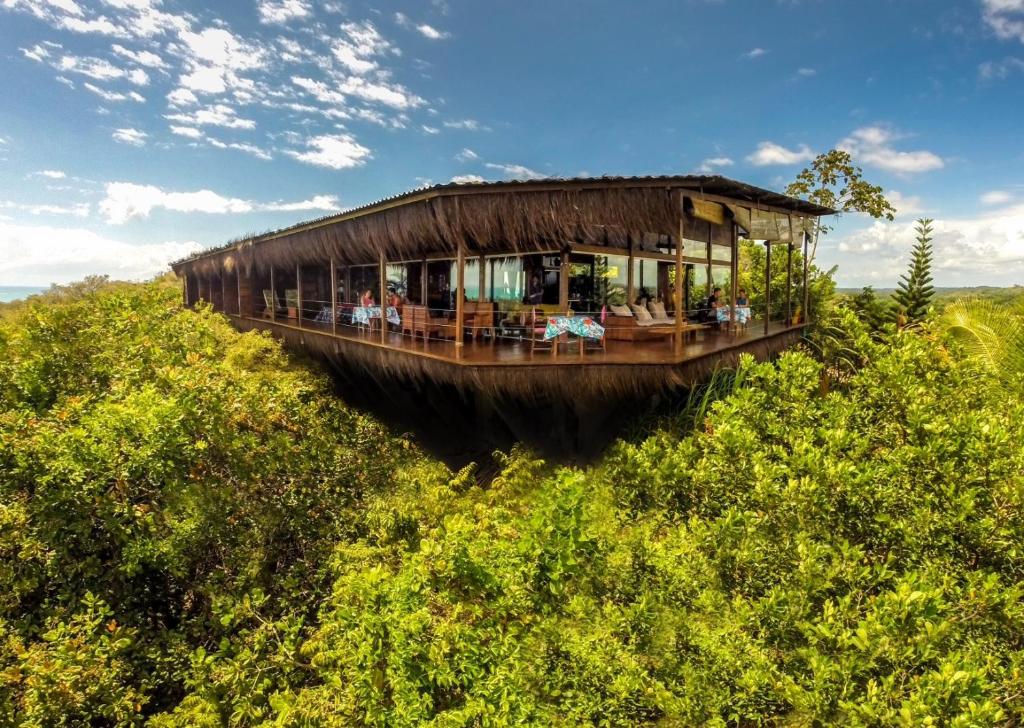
(870, 308)
(914, 292)
(834, 181)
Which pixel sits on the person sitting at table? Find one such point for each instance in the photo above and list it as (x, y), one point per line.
(741, 298)
(366, 299)
(394, 300)
(710, 307)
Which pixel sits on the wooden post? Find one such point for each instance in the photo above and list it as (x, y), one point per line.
(767, 284)
(348, 285)
(629, 273)
(807, 290)
(273, 297)
(563, 281)
(298, 294)
(460, 295)
(383, 301)
(711, 275)
(734, 272)
(482, 295)
(238, 288)
(423, 284)
(789, 284)
(680, 314)
(334, 298)
(223, 292)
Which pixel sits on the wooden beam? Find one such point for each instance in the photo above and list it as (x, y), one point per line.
(807, 290)
(383, 301)
(680, 313)
(711, 276)
(481, 293)
(334, 298)
(789, 284)
(298, 294)
(273, 296)
(629, 274)
(734, 270)
(238, 287)
(767, 285)
(460, 296)
(563, 280)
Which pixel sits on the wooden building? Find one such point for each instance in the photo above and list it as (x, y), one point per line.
(477, 272)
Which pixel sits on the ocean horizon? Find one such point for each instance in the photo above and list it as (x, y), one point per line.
(15, 293)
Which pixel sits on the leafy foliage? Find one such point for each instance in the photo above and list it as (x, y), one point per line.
(195, 532)
(870, 308)
(914, 293)
(834, 181)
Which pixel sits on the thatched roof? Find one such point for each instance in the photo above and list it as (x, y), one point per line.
(493, 216)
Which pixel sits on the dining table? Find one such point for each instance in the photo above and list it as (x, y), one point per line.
(583, 326)
(363, 315)
(739, 314)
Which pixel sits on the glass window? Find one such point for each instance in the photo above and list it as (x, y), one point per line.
(696, 249)
(653, 280)
(721, 252)
(472, 280)
(365, 278)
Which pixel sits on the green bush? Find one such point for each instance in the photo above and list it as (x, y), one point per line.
(196, 532)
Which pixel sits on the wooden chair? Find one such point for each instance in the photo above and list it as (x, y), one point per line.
(538, 325)
(268, 303)
(483, 319)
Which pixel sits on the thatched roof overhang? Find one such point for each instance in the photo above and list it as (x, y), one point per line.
(493, 217)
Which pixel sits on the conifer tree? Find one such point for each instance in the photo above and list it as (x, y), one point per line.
(914, 292)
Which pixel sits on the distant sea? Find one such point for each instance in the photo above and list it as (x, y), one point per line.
(13, 293)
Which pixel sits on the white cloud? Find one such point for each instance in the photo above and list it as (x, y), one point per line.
(990, 247)
(906, 205)
(1005, 18)
(182, 97)
(334, 151)
(134, 137)
(462, 179)
(283, 11)
(126, 201)
(993, 70)
(328, 203)
(114, 95)
(467, 155)
(143, 58)
(242, 147)
(755, 53)
(709, 165)
(806, 72)
(360, 44)
(214, 60)
(872, 145)
(320, 90)
(38, 53)
(41, 255)
(515, 171)
(429, 31)
(97, 68)
(389, 94)
(187, 131)
(996, 197)
(430, 129)
(769, 153)
(465, 124)
(74, 210)
(51, 173)
(216, 115)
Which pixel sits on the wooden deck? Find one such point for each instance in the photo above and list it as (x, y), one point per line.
(507, 351)
(508, 366)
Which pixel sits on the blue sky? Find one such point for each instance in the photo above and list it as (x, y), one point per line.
(135, 131)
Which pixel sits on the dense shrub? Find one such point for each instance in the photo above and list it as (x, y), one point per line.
(196, 532)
